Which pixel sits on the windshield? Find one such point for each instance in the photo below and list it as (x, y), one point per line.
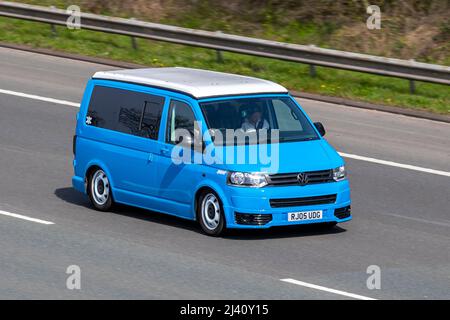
(254, 115)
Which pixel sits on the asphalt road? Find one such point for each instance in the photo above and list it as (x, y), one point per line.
(401, 216)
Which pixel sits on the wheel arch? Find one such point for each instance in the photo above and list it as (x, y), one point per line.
(208, 186)
(93, 165)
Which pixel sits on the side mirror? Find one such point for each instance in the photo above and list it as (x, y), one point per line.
(319, 126)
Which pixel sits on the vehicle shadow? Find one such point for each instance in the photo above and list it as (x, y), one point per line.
(297, 231)
(72, 196)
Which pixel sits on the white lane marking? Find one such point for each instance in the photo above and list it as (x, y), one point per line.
(395, 164)
(35, 97)
(19, 216)
(438, 223)
(339, 292)
(345, 155)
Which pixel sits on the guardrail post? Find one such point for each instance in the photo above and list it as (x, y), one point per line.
(412, 87)
(412, 84)
(133, 40)
(219, 55)
(52, 26)
(134, 43)
(312, 70)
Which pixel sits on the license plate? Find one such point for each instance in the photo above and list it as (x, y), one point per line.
(305, 215)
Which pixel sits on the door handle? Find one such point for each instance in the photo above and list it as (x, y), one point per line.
(164, 150)
(150, 157)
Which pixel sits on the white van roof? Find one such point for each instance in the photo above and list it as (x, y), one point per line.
(194, 82)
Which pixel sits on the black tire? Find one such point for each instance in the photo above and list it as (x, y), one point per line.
(210, 213)
(99, 190)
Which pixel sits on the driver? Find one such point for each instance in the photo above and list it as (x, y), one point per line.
(254, 120)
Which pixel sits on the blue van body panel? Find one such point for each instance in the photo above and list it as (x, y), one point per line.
(142, 173)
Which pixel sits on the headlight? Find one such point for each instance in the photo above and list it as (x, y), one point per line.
(247, 179)
(339, 173)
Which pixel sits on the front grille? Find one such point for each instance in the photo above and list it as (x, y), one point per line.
(252, 219)
(342, 213)
(305, 201)
(290, 179)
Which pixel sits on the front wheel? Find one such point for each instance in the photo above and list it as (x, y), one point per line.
(210, 214)
(99, 190)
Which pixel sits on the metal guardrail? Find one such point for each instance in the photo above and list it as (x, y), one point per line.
(314, 56)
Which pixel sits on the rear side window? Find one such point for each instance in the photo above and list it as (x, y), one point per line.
(125, 111)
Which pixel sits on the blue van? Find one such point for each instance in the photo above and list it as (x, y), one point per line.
(128, 149)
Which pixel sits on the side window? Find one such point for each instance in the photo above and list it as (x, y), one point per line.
(286, 117)
(151, 117)
(102, 111)
(125, 111)
(180, 117)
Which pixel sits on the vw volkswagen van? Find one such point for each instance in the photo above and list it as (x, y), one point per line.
(127, 149)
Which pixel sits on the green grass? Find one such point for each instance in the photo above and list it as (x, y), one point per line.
(357, 86)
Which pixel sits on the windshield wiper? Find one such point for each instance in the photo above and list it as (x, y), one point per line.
(297, 138)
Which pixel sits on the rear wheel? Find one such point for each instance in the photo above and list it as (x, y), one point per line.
(210, 213)
(99, 190)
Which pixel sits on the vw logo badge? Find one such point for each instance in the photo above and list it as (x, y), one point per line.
(302, 178)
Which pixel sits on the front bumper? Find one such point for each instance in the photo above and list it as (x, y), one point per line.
(254, 203)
